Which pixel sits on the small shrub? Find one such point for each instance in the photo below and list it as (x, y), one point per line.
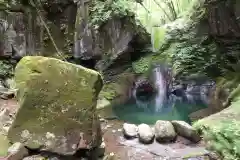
(6, 69)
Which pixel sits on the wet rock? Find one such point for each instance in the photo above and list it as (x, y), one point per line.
(59, 99)
(130, 130)
(164, 131)
(35, 157)
(101, 149)
(185, 130)
(146, 134)
(178, 90)
(193, 89)
(111, 117)
(17, 152)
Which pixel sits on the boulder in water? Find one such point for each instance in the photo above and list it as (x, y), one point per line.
(130, 130)
(185, 130)
(164, 131)
(146, 134)
(57, 105)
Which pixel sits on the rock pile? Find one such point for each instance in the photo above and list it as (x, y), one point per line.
(163, 131)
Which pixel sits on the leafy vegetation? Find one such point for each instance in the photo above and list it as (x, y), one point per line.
(174, 28)
(221, 132)
(102, 11)
(6, 69)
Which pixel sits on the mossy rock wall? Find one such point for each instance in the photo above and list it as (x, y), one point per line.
(57, 105)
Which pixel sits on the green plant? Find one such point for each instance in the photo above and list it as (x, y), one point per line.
(158, 37)
(102, 11)
(6, 69)
(223, 137)
(142, 65)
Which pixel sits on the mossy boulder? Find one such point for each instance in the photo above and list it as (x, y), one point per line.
(57, 105)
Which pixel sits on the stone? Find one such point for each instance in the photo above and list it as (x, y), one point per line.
(185, 130)
(102, 120)
(35, 157)
(17, 151)
(4, 115)
(7, 95)
(101, 149)
(130, 130)
(57, 105)
(164, 131)
(146, 134)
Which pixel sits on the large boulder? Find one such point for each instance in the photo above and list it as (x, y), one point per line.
(130, 130)
(164, 131)
(57, 105)
(146, 134)
(186, 130)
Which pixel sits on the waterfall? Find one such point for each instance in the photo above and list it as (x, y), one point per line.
(160, 79)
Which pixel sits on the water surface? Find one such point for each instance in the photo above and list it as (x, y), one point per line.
(148, 111)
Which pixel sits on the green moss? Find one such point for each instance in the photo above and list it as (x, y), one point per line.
(4, 145)
(6, 69)
(55, 95)
(102, 11)
(117, 91)
(109, 91)
(144, 63)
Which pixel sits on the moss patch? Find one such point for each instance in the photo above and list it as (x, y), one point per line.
(4, 145)
(144, 63)
(102, 11)
(6, 69)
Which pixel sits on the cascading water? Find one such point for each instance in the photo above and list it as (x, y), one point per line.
(160, 84)
(155, 99)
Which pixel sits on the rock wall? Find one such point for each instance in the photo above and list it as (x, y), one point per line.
(25, 29)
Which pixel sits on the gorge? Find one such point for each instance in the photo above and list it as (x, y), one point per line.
(125, 61)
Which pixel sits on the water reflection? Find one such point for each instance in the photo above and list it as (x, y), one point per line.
(142, 110)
